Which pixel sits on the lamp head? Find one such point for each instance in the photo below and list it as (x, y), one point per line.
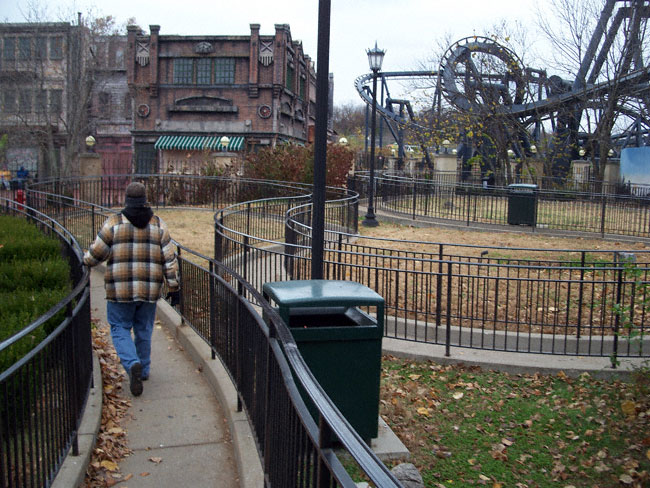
(375, 57)
(225, 140)
(90, 142)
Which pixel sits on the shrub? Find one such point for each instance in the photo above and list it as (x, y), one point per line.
(294, 163)
(22, 240)
(33, 278)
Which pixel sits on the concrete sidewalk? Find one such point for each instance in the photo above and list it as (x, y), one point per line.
(178, 431)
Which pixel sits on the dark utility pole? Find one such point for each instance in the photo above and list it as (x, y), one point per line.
(320, 141)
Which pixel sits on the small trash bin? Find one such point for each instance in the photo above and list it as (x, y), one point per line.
(340, 343)
(522, 204)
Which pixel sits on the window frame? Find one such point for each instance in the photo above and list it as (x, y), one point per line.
(55, 101)
(182, 67)
(9, 41)
(224, 71)
(203, 67)
(56, 47)
(24, 48)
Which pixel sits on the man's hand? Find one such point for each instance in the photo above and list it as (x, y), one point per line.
(174, 298)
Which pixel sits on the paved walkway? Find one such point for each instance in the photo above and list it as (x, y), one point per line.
(176, 421)
(186, 419)
(178, 431)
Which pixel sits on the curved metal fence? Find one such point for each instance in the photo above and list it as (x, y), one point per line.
(556, 209)
(44, 393)
(545, 301)
(571, 302)
(247, 335)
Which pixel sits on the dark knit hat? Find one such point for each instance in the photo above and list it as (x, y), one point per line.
(136, 195)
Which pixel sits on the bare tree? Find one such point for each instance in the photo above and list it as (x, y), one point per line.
(49, 88)
(599, 43)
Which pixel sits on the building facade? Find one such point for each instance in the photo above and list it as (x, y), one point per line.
(37, 69)
(196, 97)
(111, 107)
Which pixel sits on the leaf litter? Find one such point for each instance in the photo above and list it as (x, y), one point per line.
(517, 429)
(111, 445)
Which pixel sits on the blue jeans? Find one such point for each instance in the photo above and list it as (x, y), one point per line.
(138, 316)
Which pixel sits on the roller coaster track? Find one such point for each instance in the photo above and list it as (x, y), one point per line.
(479, 75)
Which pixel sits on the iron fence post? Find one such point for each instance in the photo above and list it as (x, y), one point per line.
(580, 298)
(602, 215)
(617, 316)
(448, 331)
(414, 199)
(181, 303)
(92, 224)
(213, 310)
(324, 477)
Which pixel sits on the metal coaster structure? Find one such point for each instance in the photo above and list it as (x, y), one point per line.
(519, 107)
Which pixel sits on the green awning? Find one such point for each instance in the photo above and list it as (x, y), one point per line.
(197, 143)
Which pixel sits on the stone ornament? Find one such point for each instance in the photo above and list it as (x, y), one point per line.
(143, 110)
(203, 48)
(264, 111)
(266, 52)
(142, 53)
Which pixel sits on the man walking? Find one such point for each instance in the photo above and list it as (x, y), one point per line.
(140, 257)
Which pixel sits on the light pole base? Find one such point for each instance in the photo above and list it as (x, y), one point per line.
(370, 222)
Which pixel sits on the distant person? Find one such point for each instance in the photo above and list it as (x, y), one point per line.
(5, 176)
(22, 175)
(140, 257)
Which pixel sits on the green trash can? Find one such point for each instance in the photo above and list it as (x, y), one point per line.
(522, 204)
(340, 343)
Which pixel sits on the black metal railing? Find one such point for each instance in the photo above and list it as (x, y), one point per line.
(606, 211)
(571, 302)
(43, 394)
(260, 354)
(548, 301)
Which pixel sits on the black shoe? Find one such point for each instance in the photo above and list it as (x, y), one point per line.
(135, 375)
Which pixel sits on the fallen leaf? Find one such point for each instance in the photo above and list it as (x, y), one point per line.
(628, 407)
(415, 377)
(423, 411)
(483, 477)
(109, 465)
(156, 460)
(626, 479)
(647, 454)
(507, 442)
(146, 473)
(458, 395)
(128, 477)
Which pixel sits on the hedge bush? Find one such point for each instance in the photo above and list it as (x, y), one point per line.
(288, 162)
(34, 277)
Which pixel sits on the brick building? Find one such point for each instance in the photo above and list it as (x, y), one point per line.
(191, 91)
(111, 107)
(38, 66)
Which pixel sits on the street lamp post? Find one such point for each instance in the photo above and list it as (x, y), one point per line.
(375, 58)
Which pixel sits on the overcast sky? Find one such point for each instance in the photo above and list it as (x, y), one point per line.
(406, 29)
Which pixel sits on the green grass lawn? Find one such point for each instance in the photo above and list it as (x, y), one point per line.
(468, 427)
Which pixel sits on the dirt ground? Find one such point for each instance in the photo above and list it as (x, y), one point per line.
(195, 230)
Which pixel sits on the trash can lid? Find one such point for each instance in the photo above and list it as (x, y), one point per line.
(318, 293)
(523, 186)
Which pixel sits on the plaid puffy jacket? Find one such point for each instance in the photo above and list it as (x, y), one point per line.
(139, 260)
